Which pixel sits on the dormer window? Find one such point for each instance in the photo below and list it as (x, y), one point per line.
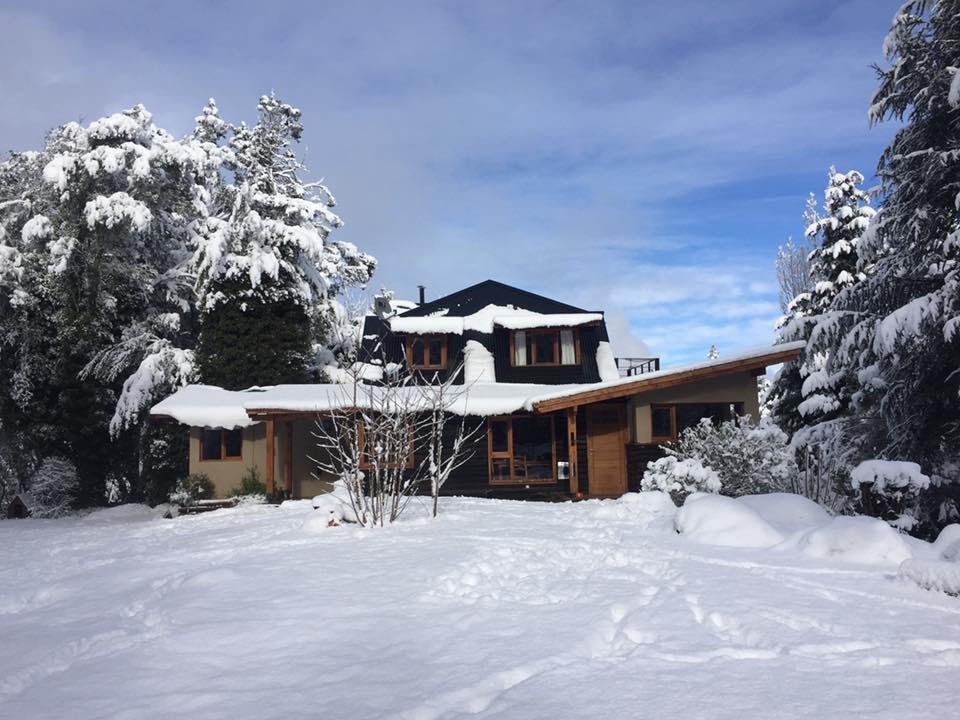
(427, 352)
(544, 347)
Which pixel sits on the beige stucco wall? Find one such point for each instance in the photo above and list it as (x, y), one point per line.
(738, 388)
(226, 474)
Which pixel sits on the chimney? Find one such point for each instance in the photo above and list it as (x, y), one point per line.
(422, 289)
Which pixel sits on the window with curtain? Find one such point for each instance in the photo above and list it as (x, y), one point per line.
(544, 347)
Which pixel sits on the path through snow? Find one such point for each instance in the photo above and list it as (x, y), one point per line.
(497, 609)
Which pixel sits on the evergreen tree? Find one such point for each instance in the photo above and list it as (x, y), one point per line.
(811, 395)
(269, 273)
(903, 339)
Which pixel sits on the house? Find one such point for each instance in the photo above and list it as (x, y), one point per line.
(561, 416)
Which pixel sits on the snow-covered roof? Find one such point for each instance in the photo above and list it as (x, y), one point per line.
(208, 406)
(506, 316)
(756, 357)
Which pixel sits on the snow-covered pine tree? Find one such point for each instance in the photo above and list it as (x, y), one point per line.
(903, 342)
(101, 257)
(810, 396)
(269, 273)
(713, 353)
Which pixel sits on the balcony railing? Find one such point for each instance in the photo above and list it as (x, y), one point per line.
(630, 366)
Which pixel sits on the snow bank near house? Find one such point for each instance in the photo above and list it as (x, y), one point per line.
(786, 512)
(720, 520)
(857, 539)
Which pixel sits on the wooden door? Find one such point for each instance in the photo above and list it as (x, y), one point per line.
(607, 450)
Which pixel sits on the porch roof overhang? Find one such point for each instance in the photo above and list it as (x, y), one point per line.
(208, 406)
(626, 387)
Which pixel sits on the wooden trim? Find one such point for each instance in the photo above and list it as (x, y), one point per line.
(223, 446)
(500, 455)
(288, 458)
(572, 454)
(656, 439)
(641, 384)
(271, 470)
(365, 464)
(530, 332)
(426, 340)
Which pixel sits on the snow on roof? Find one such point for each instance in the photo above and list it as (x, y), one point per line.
(209, 406)
(484, 320)
(644, 378)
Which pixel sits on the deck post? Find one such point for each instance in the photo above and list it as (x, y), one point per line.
(572, 458)
(288, 458)
(271, 470)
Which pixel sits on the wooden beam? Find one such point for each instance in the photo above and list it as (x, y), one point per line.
(288, 458)
(572, 454)
(271, 469)
(661, 381)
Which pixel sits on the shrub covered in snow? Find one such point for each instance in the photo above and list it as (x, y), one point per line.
(53, 488)
(250, 484)
(197, 486)
(890, 489)
(747, 458)
(857, 539)
(679, 478)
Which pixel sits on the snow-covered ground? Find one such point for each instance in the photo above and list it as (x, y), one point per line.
(498, 609)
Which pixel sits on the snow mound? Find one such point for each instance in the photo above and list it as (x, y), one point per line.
(939, 575)
(719, 520)
(947, 544)
(129, 512)
(857, 539)
(786, 512)
(329, 511)
(643, 509)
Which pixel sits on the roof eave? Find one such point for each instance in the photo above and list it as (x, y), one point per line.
(659, 382)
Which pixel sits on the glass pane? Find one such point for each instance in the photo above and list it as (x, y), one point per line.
(661, 422)
(568, 348)
(543, 347)
(417, 351)
(520, 348)
(436, 346)
(500, 470)
(533, 448)
(232, 443)
(499, 436)
(210, 449)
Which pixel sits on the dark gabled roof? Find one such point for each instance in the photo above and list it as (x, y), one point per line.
(490, 292)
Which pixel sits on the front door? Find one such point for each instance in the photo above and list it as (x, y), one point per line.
(607, 450)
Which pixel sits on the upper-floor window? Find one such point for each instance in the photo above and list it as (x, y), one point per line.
(221, 444)
(427, 352)
(544, 347)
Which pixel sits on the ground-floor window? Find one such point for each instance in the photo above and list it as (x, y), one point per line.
(524, 450)
(221, 444)
(668, 421)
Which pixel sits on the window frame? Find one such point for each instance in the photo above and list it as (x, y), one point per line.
(223, 445)
(426, 338)
(674, 417)
(673, 422)
(365, 464)
(509, 454)
(557, 355)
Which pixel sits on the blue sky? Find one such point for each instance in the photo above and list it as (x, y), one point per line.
(644, 158)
